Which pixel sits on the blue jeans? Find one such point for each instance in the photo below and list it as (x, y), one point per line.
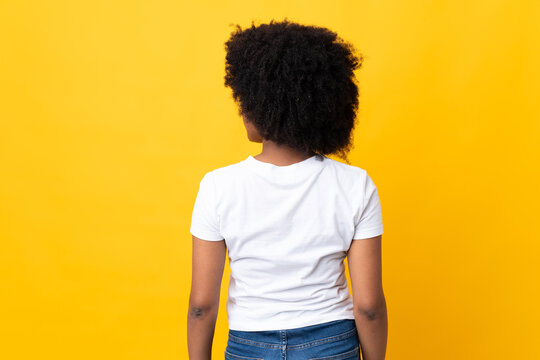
(334, 340)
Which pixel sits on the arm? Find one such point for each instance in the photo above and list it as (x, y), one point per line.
(208, 261)
(364, 261)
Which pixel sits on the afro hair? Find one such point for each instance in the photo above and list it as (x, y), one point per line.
(296, 84)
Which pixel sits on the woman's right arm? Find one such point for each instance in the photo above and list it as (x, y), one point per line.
(365, 270)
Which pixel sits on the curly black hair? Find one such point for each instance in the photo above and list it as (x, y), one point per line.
(296, 84)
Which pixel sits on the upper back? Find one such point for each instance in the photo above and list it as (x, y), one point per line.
(315, 203)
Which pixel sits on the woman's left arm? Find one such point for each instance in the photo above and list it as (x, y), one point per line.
(208, 262)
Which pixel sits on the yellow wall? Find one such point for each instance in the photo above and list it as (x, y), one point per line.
(111, 112)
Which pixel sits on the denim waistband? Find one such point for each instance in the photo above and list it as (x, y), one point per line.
(300, 337)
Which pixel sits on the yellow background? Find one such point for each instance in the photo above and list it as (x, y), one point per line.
(112, 111)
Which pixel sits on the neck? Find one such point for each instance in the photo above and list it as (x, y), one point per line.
(280, 154)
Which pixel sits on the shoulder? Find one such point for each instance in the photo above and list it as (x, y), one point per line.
(346, 169)
(351, 174)
(226, 173)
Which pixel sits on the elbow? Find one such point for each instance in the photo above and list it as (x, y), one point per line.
(200, 310)
(372, 310)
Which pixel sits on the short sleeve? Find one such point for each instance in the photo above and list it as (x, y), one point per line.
(204, 219)
(368, 219)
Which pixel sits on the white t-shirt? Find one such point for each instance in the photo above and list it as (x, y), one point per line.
(287, 230)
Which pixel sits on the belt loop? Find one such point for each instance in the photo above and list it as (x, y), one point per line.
(283, 334)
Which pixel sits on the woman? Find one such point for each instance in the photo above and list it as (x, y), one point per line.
(290, 215)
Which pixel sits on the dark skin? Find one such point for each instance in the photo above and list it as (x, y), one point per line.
(365, 269)
(363, 258)
(271, 152)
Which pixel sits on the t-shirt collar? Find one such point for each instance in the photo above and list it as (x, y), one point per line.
(300, 166)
